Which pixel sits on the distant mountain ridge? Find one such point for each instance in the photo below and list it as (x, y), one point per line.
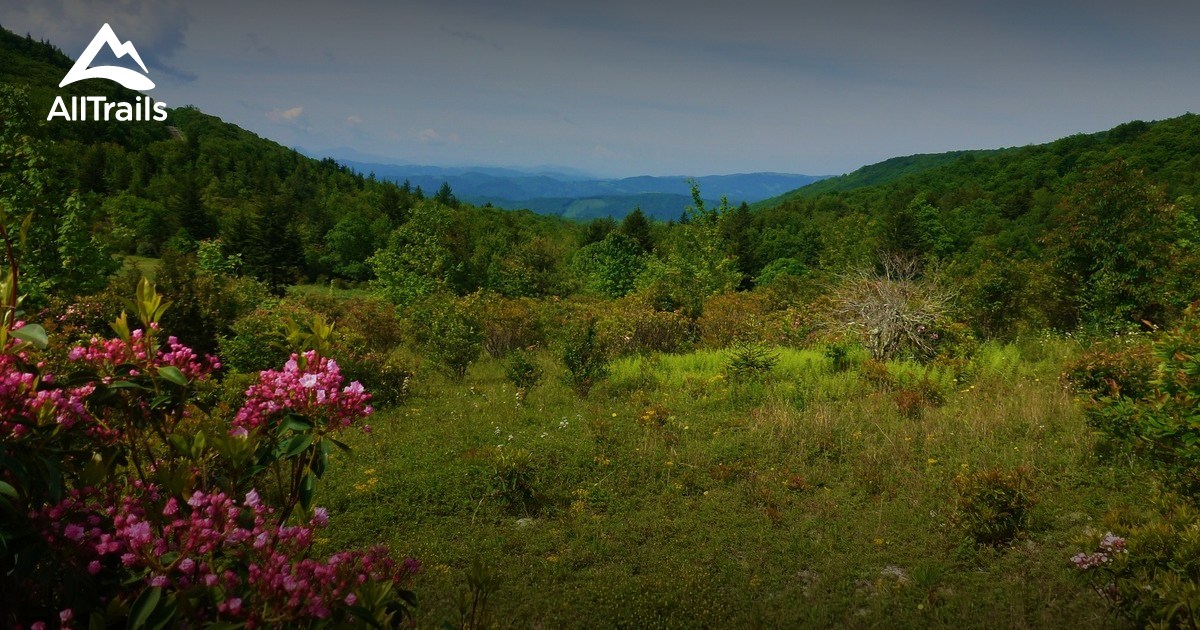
(567, 194)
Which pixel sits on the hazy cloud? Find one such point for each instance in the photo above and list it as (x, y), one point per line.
(287, 115)
(156, 27)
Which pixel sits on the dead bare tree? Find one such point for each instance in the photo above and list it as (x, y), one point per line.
(894, 310)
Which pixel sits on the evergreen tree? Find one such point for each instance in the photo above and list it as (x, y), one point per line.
(636, 226)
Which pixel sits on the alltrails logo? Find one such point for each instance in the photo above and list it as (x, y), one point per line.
(99, 107)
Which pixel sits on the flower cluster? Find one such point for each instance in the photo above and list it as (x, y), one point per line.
(24, 404)
(1109, 546)
(255, 569)
(308, 385)
(105, 353)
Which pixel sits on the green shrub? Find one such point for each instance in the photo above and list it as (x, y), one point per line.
(750, 361)
(585, 358)
(255, 341)
(1151, 574)
(451, 335)
(994, 505)
(510, 324)
(523, 370)
(1112, 370)
(383, 374)
(515, 478)
(1160, 424)
(633, 327)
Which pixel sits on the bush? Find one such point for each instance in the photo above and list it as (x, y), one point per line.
(635, 328)
(510, 324)
(1159, 425)
(127, 500)
(451, 335)
(523, 370)
(585, 358)
(730, 317)
(750, 361)
(515, 478)
(993, 506)
(896, 312)
(203, 303)
(255, 341)
(385, 375)
(1113, 370)
(1150, 574)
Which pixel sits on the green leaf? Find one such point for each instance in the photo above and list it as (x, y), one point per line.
(308, 486)
(7, 490)
(296, 424)
(297, 445)
(172, 374)
(143, 607)
(164, 613)
(33, 334)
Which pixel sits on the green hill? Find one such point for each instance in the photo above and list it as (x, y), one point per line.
(873, 175)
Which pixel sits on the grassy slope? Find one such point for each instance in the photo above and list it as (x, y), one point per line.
(807, 501)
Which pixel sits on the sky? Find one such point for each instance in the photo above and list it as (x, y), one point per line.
(625, 87)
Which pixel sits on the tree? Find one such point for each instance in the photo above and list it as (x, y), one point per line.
(610, 267)
(737, 231)
(692, 264)
(417, 260)
(445, 196)
(636, 226)
(1129, 255)
(349, 244)
(914, 230)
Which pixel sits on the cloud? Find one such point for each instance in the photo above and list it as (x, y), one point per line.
(433, 138)
(285, 115)
(354, 120)
(156, 27)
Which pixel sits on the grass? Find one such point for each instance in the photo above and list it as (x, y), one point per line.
(673, 497)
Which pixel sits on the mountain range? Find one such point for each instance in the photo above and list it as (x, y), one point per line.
(575, 195)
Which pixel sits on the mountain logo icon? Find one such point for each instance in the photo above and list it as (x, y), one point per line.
(126, 77)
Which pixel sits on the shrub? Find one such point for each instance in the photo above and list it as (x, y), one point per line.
(510, 324)
(515, 478)
(452, 336)
(895, 312)
(750, 361)
(384, 374)
(1151, 573)
(729, 317)
(1160, 424)
(255, 341)
(127, 500)
(523, 370)
(1113, 370)
(993, 506)
(585, 358)
(840, 356)
(635, 328)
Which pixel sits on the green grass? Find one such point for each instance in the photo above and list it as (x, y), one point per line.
(328, 289)
(806, 499)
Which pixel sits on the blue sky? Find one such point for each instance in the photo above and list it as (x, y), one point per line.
(617, 88)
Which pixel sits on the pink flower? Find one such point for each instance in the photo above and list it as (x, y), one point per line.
(94, 567)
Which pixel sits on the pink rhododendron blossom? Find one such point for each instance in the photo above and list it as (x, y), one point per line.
(315, 391)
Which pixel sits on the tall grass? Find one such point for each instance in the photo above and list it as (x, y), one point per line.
(673, 497)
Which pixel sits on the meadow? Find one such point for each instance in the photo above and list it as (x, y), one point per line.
(675, 496)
